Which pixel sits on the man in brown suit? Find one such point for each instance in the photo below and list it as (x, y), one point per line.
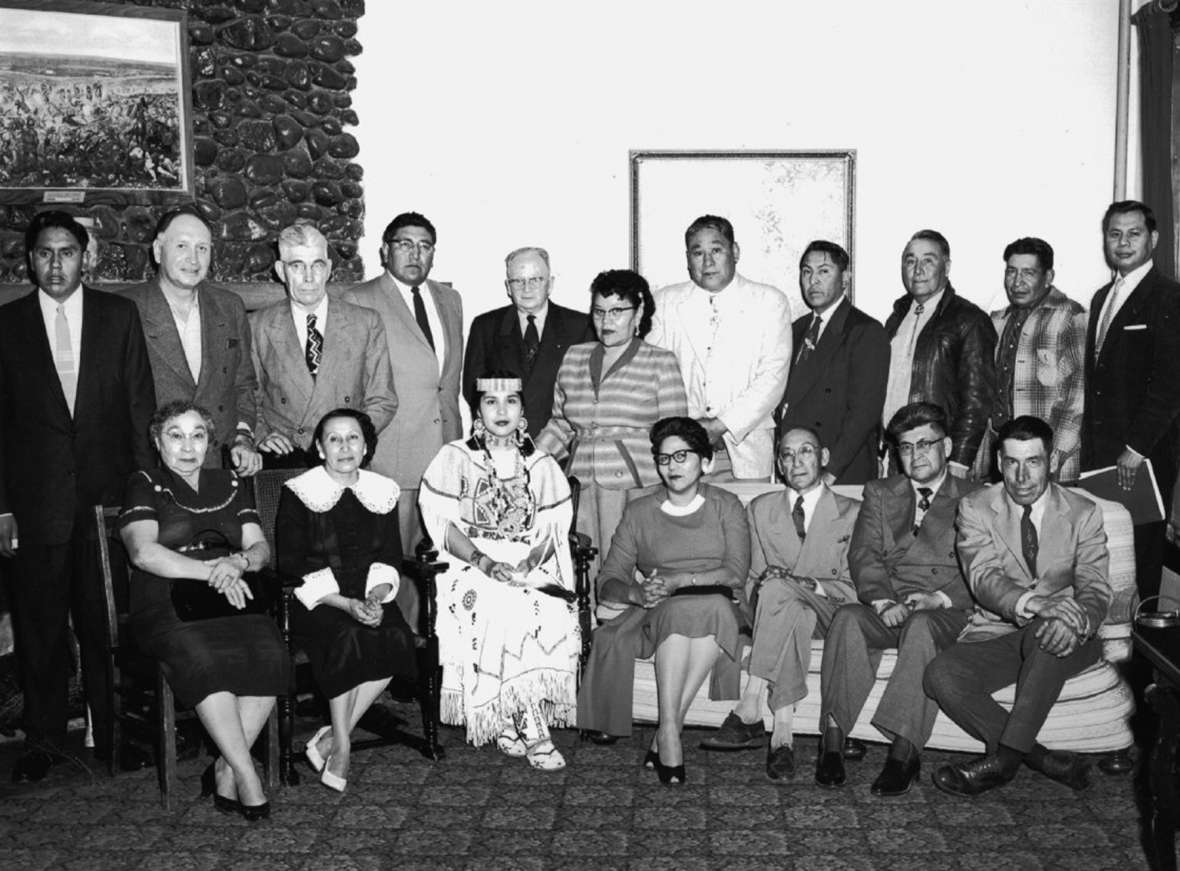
(912, 597)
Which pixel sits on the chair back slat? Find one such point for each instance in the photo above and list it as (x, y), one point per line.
(108, 542)
(268, 488)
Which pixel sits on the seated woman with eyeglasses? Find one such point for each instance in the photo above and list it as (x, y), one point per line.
(690, 545)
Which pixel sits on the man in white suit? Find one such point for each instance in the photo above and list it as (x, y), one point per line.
(424, 325)
(732, 338)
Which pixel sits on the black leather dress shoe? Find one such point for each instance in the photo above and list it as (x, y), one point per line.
(733, 734)
(854, 749)
(780, 762)
(602, 738)
(32, 766)
(974, 777)
(1071, 769)
(829, 768)
(896, 777)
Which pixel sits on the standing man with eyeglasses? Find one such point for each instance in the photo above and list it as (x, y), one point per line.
(313, 353)
(913, 597)
(732, 338)
(528, 337)
(424, 327)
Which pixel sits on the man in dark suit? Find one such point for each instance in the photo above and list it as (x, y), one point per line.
(529, 337)
(198, 339)
(1132, 409)
(76, 397)
(1036, 560)
(837, 383)
(912, 597)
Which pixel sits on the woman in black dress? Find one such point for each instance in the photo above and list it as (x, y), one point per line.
(229, 668)
(337, 529)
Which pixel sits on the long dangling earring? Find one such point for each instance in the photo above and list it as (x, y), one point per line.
(521, 428)
(477, 428)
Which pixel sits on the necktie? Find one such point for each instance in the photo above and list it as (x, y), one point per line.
(918, 309)
(809, 340)
(532, 342)
(799, 518)
(923, 507)
(420, 317)
(67, 371)
(1108, 315)
(1028, 540)
(315, 347)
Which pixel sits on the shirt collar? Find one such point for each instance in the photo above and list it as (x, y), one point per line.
(319, 491)
(320, 311)
(934, 485)
(72, 305)
(1131, 279)
(538, 317)
(928, 305)
(1038, 507)
(827, 313)
(810, 498)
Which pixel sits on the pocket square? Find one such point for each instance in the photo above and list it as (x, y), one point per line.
(1135, 327)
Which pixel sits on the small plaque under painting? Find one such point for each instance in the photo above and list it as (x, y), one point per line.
(64, 197)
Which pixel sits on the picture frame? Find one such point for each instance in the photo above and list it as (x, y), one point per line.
(777, 201)
(95, 104)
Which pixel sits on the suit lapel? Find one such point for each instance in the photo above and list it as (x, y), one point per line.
(511, 341)
(40, 355)
(824, 516)
(214, 326)
(448, 317)
(1008, 524)
(829, 342)
(290, 354)
(160, 329)
(550, 353)
(402, 312)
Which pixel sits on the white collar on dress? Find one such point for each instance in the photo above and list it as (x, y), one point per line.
(316, 489)
(682, 510)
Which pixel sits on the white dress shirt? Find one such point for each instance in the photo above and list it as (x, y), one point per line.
(901, 346)
(1115, 301)
(538, 319)
(73, 312)
(432, 317)
(189, 329)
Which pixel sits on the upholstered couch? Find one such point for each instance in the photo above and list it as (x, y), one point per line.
(1091, 716)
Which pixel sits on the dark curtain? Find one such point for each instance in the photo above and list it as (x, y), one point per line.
(1155, 110)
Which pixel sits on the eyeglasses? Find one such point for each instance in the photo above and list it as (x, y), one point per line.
(613, 313)
(679, 456)
(519, 284)
(807, 452)
(407, 246)
(317, 268)
(921, 446)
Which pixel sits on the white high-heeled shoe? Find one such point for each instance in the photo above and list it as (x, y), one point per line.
(330, 780)
(312, 750)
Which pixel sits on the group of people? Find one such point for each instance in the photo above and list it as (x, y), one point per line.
(166, 398)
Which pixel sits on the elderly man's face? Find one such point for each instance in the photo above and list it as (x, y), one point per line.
(924, 269)
(409, 255)
(821, 281)
(1024, 464)
(923, 452)
(801, 461)
(183, 252)
(712, 260)
(528, 282)
(305, 269)
(1025, 282)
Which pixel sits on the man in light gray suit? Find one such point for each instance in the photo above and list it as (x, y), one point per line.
(424, 325)
(313, 353)
(198, 340)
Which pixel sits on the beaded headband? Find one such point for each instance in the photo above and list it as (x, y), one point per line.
(499, 385)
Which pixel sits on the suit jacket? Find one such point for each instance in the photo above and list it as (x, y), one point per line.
(954, 366)
(496, 342)
(226, 384)
(822, 555)
(54, 468)
(888, 561)
(1048, 380)
(354, 371)
(1133, 387)
(1072, 559)
(839, 390)
(428, 410)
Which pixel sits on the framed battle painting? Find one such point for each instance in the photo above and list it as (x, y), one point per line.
(778, 201)
(95, 103)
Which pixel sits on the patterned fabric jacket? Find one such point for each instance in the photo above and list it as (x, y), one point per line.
(1048, 380)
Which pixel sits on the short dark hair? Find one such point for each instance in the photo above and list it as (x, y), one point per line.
(54, 218)
(937, 238)
(1025, 428)
(631, 286)
(1039, 248)
(692, 433)
(712, 222)
(368, 431)
(409, 219)
(1123, 207)
(176, 408)
(192, 210)
(835, 253)
(916, 414)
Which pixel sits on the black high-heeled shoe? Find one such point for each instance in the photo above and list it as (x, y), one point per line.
(255, 812)
(670, 775)
(651, 761)
(209, 788)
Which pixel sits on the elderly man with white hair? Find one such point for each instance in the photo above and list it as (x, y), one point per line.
(314, 353)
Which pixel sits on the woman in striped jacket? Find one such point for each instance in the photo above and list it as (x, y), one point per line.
(607, 396)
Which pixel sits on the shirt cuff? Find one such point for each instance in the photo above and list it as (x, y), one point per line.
(1022, 606)
(944, 598)
(880, 605)
(315, 586)
(380, 573)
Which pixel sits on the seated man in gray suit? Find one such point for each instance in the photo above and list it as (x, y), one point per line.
(913, 597)
(313, 353)
(1036, 559)
(799, 573)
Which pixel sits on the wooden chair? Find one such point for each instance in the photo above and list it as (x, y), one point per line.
(142, 699)
(582, 551)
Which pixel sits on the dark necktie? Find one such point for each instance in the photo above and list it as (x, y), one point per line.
(314, 352)
(1028, 540)
(809, 340)
(532, 342)
(798, 516)
(923, 507)
(420, 317)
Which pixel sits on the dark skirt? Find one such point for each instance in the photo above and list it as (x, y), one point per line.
(344, 653)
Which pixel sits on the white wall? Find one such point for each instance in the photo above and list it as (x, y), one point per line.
(510, 124)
